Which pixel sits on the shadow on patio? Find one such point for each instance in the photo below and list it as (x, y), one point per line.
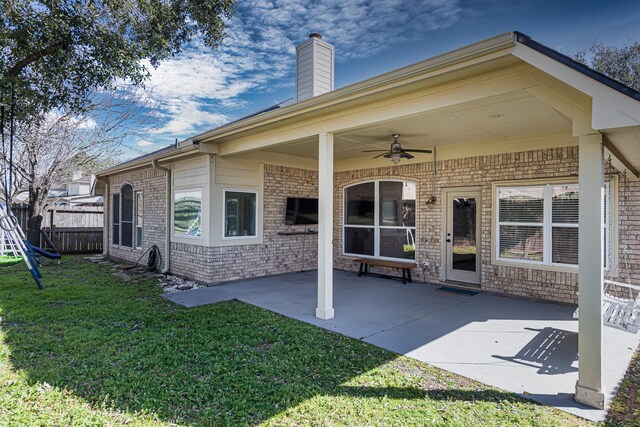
(552, 351)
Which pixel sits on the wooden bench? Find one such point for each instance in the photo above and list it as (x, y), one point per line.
(404, 266)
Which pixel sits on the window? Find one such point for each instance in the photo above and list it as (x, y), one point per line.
(139, 210)
(240, 214)
(380, 219)
(126, 216)
(116, 219)
(538, 224)
(187, 213)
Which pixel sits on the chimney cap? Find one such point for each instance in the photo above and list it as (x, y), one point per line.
(315, 36)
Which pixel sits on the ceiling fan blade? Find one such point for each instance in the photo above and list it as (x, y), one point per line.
(418, 151)
(373, 151)
(380, 155)
(406, 156)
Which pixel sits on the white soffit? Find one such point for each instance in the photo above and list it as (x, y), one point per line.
(610, 108)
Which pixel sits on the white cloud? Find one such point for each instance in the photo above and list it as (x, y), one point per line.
(186, 117)
(200, 88)
(144, 143)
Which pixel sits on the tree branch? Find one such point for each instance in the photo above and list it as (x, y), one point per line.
(35, 56)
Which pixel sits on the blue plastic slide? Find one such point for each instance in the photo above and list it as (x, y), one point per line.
(45, 253)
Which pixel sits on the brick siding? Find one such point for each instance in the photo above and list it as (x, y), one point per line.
(153, 183)
(290, 253)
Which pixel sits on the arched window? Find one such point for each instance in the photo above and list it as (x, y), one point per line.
(123, 217)
(380, 219)
(126, 217)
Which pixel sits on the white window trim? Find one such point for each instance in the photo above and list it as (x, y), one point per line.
(119, 245)
(173, 205)
(135, 216)
(376, 221)
(116, 245)
(612, 264)
(224, 213)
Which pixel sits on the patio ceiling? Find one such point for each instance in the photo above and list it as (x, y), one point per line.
(512, 116)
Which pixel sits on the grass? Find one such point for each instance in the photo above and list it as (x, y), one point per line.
(625, 409)
(94, 349)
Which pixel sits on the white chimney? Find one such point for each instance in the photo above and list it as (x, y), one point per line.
(314, 67)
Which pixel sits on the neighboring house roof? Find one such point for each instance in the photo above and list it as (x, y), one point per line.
(290, 109)
(84, 179)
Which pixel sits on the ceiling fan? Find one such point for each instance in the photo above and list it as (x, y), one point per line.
(396, 152)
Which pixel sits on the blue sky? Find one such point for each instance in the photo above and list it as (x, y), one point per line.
(254, 68)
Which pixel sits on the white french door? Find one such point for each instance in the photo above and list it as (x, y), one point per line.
(461, 256)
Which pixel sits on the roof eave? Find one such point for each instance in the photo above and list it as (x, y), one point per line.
(372, 85)
(179, 152)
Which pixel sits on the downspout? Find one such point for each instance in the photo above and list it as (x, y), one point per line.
(167, 243)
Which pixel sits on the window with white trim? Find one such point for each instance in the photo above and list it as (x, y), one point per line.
(538, 224)
(380, 219)
(115, 206)
(240, 214)
(139, 212)
(187, 213)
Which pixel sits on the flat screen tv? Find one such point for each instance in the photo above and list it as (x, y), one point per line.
(301, 211)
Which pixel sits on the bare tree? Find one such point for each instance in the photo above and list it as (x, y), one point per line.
(49, 150)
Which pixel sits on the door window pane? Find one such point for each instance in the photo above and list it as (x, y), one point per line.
(398, 243)
(127, 203)
(240, 214)
(127, 234)
(187, 213)
(360, 205)
(463, 239)
(397, 204)
(126, 216)
(359, 241)
(116, 219)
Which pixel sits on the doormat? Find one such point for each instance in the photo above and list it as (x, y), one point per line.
(465, 292)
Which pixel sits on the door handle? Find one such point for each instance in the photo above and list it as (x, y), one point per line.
(448, 240)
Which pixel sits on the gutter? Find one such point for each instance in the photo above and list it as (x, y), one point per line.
(144, 162)
(167, 243)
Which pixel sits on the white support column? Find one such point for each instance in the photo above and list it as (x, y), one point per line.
(589, 388)
(325, 309)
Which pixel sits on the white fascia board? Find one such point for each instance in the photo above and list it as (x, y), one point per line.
(610, 108)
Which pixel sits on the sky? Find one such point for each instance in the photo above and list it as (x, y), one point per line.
(254, 67)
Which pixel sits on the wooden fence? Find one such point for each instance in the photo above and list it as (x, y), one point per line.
(73, 231)
(75, 240)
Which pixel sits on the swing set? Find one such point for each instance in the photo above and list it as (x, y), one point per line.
(14, 246)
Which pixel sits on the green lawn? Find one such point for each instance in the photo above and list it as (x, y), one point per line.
(92, 349)
(625, 409)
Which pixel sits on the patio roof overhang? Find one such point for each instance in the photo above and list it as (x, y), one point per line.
(452, 100)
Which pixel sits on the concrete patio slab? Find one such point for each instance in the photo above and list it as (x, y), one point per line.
(521, 346)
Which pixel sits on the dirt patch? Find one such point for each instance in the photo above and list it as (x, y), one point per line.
(264, 346)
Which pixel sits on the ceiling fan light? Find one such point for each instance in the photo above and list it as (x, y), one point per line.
(395, 158)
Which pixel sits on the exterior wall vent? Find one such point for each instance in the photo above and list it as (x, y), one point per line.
(314, 67)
